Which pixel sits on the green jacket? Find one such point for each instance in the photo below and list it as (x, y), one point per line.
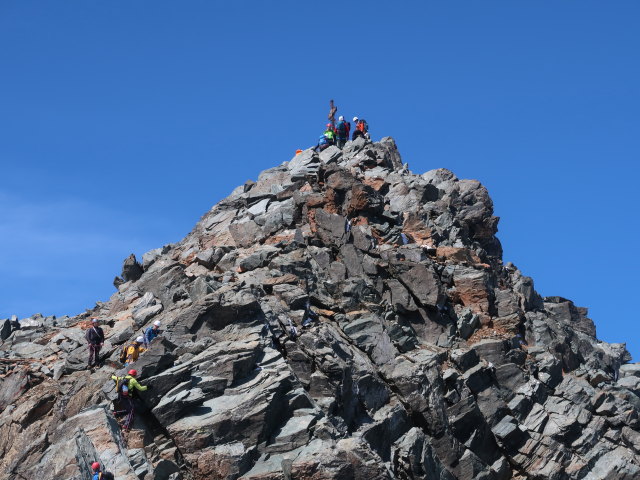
(131, 383)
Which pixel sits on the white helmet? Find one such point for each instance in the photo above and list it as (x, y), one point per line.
(341, 118)
(140, 339)
(157, 323)
(355, 119)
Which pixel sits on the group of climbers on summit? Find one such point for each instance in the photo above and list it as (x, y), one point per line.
(338, 133)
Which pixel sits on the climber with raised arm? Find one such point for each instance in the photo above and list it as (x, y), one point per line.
(127, 388)
(151, 332)
(129, 384)
(131, 352)
(95, 339)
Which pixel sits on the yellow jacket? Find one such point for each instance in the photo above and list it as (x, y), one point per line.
(133, 352)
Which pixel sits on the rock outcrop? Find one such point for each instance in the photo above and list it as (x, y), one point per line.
(338, 318)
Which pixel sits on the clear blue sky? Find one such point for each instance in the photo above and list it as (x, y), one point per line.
(121, 123)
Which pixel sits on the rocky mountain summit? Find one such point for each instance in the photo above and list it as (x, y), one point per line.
(338, 318)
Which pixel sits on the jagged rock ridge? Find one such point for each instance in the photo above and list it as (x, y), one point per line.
(418, 354)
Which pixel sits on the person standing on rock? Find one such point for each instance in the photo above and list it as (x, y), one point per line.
(130, 353)
(151, 333)
(342, 132)
(95, 340)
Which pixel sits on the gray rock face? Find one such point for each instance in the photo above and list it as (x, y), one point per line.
(338, 318)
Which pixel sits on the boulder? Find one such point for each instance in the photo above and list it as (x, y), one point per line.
(131, 269)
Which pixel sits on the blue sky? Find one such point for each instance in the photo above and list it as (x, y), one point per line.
(121, 123)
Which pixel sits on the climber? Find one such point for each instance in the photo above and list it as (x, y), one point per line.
(342, 132)
(128, 384)
(326, 139)
(356, 133)
(151, 333)
(130, 353)
(98, 474)
(330, 133)
(126, 388)
(362, 128)
(95, 340)
(323, 143)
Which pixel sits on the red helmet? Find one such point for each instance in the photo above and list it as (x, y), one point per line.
(133, 372)
(95, 466)
(328, 125)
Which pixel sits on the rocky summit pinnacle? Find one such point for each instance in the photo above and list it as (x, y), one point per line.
(338, 318)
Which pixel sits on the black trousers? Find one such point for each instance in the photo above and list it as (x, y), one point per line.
(94, 354)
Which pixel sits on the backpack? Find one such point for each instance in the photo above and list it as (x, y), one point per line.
(362, 126)
(122, 386)
(106, 476)
(342, 129)
(123, 354)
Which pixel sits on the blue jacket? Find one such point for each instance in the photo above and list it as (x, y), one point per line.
(343, 130)
(96, 476)
(150, 334)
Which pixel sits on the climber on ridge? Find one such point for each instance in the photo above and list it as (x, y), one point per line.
(361, 129)
(95, 340)
(330, 133)
(130, 353)
(326, 139)
(151, 332)
(342, 132)
(98, 474)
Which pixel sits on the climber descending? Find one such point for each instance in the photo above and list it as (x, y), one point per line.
(126, 388)
(151, 333)
(130, 353)
(95, 340)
